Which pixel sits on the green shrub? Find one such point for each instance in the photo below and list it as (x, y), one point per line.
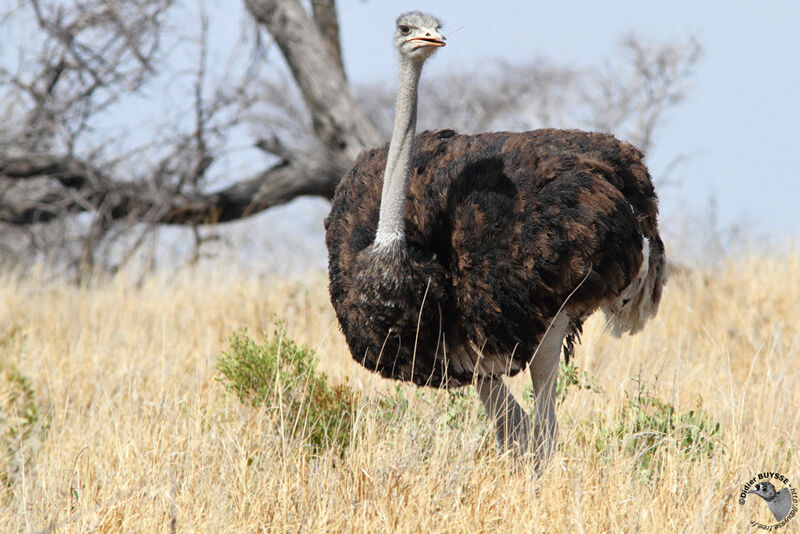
(569, 377)
(646, 423)
(643, 426)
(283, 377)
(20, 413)
(453, 407)
(460, 404)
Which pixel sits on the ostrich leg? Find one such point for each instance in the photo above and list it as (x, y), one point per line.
(544, 375)
(512, 425)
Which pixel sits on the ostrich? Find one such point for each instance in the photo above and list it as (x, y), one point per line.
(457, 259)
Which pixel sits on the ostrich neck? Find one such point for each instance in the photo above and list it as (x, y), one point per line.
(391, 232)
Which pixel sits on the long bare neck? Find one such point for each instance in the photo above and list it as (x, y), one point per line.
(391, 232)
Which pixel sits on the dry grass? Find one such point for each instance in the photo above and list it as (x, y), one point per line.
(112, 419)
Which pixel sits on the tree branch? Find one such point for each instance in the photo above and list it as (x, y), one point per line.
(336, 117)
(325, 16)
(57, 186)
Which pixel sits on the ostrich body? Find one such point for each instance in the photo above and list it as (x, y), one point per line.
(457, 259)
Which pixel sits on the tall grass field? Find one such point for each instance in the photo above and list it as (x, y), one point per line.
(209, 402)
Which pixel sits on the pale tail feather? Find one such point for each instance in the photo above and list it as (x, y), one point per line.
(639, 301)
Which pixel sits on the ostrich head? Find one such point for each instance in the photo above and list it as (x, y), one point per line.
(417, 35)
(765, 490)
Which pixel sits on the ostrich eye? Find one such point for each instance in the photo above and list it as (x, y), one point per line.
(405, 30)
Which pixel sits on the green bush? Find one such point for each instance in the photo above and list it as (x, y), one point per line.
(646, 423)
(569, 377)
(454, 408)
(283, 377)
(20, 415)
(643, 426)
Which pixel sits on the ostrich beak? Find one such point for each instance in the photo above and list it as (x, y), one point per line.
(431, 38)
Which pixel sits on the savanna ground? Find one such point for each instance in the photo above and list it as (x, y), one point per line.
(115, 416)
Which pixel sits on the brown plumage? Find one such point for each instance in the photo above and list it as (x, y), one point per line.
(456, 259)
(501, 229)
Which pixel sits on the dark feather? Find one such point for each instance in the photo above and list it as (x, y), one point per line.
(502, 230)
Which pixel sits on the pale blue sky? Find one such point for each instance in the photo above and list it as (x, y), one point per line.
(739, 121)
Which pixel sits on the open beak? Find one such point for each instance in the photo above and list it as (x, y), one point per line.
(431, 39)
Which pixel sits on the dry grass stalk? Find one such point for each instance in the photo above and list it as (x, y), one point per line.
(135, 434)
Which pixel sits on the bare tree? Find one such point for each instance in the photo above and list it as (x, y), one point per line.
(71, 181)
(633, 100)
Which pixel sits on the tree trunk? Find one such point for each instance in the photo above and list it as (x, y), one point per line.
(336, 118)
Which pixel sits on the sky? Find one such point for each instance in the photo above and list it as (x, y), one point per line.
(738, 124)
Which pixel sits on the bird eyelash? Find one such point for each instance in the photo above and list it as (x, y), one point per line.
(454, 31)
